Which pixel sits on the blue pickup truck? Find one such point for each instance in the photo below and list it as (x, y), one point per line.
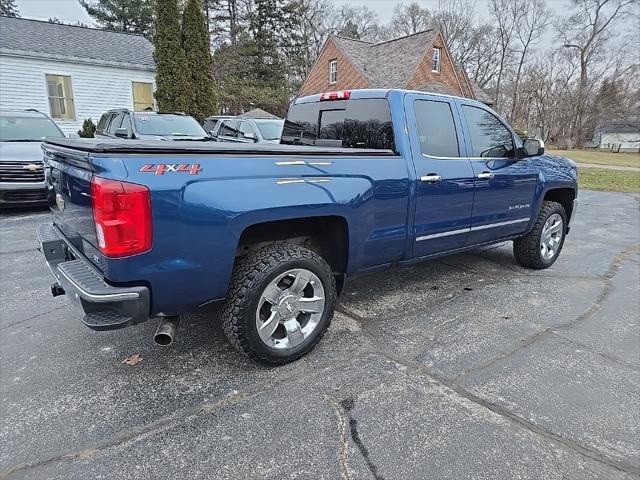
(362, 180)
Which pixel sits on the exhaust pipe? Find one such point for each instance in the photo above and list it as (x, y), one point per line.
(166, 331)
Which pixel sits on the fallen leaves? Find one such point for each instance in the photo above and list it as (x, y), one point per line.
(133, 360)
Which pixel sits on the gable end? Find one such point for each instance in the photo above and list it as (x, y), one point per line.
(318, 79)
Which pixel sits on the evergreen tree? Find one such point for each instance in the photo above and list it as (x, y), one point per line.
(169, 58)
(130, 16)
(8, 8)
(88, 129)
(199, 91)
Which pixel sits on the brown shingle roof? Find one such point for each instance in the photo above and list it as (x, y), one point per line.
(372, 59)
(258, 113)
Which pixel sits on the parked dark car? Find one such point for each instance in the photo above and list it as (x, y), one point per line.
(127, 124)
(21, 171)
(248, 130)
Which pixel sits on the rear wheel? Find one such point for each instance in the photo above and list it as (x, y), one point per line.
(541, 246)
(280, 303)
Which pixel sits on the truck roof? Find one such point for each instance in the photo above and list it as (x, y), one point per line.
(379, 93)
(106, 145)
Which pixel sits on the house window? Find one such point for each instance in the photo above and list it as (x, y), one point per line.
(142, 96)
(435, 60)
(333, 71)
(60, 97)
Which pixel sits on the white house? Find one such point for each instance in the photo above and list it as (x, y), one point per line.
(621, 135)
(73, 73)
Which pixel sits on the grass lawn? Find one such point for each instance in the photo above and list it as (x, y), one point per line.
(605, 158)
(612, 180)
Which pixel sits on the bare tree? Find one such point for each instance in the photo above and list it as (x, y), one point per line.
(455, 19)
(481, 60)
(587, 33)
(506, 15)
(360, 23)
(408, 19)
(533, 20)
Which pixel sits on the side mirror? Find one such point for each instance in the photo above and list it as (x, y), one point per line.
(121, 133)
(73, 135)
(250, 136)
(533, 147)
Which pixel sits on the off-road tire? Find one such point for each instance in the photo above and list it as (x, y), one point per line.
(527, 249)
(251, 274)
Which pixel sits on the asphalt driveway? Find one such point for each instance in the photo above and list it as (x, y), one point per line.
(465, 367)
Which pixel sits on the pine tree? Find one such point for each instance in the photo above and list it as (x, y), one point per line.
(130, 16)
(169, 58)
(199, 91)
(8, 8)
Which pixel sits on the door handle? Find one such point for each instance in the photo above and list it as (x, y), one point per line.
(431, 178)
(486, 175)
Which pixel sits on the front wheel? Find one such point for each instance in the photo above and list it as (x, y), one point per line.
(280, 303)
(541, 246)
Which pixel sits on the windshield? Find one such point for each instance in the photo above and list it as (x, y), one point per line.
(168, 125)
(27, 129)
(270, 129)
(358, 123)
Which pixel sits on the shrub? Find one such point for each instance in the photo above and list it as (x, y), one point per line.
(88, 129)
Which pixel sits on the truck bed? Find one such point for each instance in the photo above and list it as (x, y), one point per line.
(101, 145)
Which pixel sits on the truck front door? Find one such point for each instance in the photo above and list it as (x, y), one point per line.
(505, 183)
(444, 178)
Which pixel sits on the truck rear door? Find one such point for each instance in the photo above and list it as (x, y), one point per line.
(444, 178)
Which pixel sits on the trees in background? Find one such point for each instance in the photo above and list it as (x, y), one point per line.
(408, 19)
(129, 16)
(263, 50)
(586, 35)
(198, 92)
(8, 8)
(169, 57)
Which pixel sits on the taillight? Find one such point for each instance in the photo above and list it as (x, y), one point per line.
(122, 215)
(339, 95)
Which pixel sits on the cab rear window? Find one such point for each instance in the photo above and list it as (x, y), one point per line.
(358, 123)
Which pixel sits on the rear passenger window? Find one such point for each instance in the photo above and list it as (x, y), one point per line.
(126, 123)
(229, 128)
(115, 123)
(102, 124)
(358, 123)
(436, 129)
(489, 137)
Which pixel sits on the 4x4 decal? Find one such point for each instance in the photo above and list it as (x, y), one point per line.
(162, 168)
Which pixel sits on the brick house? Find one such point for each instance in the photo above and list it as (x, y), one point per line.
(417, 62)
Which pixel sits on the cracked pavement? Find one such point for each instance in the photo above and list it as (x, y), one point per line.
(464, 367)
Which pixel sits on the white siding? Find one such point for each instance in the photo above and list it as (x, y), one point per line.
(96, 89)
(627, 141)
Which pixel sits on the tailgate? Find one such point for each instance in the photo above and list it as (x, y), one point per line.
(68, 176)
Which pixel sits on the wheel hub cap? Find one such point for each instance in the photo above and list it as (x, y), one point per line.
(289, 305)
(290, 308)
(551, 236)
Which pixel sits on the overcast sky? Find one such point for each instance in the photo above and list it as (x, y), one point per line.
(71, 10)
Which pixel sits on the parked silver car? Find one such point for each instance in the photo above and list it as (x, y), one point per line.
(248, 130)
(21, 170)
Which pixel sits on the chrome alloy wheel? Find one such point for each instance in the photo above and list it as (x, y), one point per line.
(290, 308)
(551, 236)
